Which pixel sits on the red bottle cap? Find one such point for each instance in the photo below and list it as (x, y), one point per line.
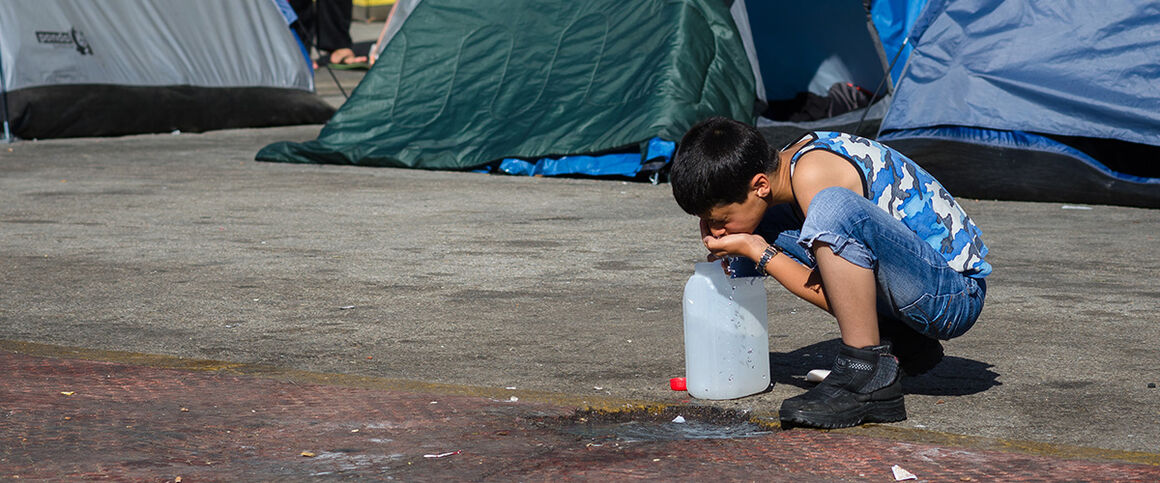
(677, 384)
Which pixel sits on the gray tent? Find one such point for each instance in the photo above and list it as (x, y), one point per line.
(81, 68)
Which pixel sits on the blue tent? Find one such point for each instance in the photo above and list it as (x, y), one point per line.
(893, 20)
(1034, 100)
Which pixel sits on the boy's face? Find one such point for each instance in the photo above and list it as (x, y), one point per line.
(734, 218)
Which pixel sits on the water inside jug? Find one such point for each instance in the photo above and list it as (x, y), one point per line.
(726, 334)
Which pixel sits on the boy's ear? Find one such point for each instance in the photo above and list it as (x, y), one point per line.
(760, 184)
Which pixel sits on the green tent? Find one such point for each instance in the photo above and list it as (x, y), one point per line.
(462, 84)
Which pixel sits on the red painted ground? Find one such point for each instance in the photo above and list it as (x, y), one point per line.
(126, 422)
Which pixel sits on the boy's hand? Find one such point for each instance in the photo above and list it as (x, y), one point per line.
(739, 244)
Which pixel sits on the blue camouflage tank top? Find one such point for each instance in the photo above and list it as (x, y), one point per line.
(902, 188)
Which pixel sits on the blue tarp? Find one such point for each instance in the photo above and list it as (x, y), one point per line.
(1085, 69)
(621, 164)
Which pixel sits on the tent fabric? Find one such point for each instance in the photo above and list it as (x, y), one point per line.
(86, 110)
(128, 66)
(1016, 141)
(1066, 68)
(291, 16)
(893, 20)
(395, 20)
(1029, 100)
(460, 86)
(210, 43)
(1020, 166)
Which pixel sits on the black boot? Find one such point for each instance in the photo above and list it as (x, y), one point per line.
(863, 387)
(916, 353)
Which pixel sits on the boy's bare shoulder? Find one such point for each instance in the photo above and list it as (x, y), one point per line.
(819, 165)
(818, 170)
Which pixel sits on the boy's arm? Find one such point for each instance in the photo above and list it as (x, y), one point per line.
(799, 279)
(814, 172)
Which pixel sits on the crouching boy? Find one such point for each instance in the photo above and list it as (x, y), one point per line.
(857, 229)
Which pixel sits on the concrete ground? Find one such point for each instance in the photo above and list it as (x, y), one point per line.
(182, 245)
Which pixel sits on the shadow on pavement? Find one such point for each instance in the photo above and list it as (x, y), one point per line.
(954, 376)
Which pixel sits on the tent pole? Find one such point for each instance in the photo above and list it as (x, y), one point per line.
(336, 82)
(4, 102)
(883, 82)
(4, 106)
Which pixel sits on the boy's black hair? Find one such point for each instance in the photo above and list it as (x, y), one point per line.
(715, 162)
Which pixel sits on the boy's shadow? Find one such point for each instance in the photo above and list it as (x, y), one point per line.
(954, 376)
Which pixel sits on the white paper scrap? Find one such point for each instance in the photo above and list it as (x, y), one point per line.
(901, 474)
(679, 419)
(817, 375)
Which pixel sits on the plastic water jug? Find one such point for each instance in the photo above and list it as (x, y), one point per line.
(726, 334)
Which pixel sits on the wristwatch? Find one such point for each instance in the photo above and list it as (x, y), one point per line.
(768, 255)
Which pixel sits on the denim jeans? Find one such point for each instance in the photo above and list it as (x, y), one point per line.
(915, 284)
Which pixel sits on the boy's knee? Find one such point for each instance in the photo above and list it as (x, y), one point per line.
(836, 204)
(835, 218)
(834, 195)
